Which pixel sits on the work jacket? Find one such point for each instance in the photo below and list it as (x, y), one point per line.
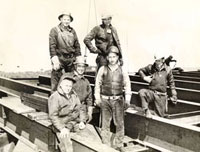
(64, 43)
(102, 40)
(160, 79)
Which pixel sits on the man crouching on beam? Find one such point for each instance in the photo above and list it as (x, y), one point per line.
(158, 75)
(65, 112)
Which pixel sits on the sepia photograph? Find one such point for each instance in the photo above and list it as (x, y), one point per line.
(100, 76)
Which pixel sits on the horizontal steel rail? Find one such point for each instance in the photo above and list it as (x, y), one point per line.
(183, 93)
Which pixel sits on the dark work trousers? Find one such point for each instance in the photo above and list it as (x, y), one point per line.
(56, 75)
(159, 101)
(113, 109)
(85, 112)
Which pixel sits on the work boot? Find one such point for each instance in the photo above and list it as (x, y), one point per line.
(121, 149)
(148, 113)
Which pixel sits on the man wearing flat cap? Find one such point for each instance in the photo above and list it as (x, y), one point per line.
(105, 35)
(64, 47)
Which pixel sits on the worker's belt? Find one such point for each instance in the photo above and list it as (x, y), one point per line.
(111, 97)
(70, 55)
(160, 93)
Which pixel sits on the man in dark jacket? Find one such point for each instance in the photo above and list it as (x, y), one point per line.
(105, 35)
(82, 87)
(64, 47)
(159, 76)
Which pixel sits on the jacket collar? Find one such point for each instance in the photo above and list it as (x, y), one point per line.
(62, 28)
(103, 26)
(60, 91)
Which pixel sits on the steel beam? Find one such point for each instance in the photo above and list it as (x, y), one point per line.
(187, 83)
(162, 132)
(191, 74)
(183, 93)
(41, 136)
(180, 81)
(30, 89)
(18, 86)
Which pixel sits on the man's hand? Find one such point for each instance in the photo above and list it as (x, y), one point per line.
(90, 111)
(148, 79)
(173, 99)
(98, 51)
(98, 102)
(81, 125)
(65, 133)
(126, 105)
(55, 63)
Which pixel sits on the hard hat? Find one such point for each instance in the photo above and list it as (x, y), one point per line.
(159, 55)
(106, 16)
(67, 14)
(113, 49)
(80, 60)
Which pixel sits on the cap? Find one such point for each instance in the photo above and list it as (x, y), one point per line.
(105, 16)
(113, 49)
(69, 77)
(159, 55)
(80, 60)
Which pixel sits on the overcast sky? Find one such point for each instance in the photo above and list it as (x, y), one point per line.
(144, 27)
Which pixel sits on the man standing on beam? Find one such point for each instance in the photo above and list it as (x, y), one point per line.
(159, 76)
(111, 81)
(105, 35)
(64, 48)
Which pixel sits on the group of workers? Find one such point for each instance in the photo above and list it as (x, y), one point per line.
(71, 102)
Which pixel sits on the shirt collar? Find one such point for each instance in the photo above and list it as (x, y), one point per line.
(114, 68)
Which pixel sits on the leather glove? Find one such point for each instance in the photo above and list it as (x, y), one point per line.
(90, 111)
(173, 99)
(55, 63)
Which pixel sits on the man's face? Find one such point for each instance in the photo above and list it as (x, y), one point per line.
(159, 63)
(112, 58)
(65, 20)
(80, 68)
(107, 21)
(66, 86)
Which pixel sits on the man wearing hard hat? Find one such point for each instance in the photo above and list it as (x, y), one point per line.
(111, 81)
(64, 47)
(159, 76)
(82, 87)
(105, 35)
